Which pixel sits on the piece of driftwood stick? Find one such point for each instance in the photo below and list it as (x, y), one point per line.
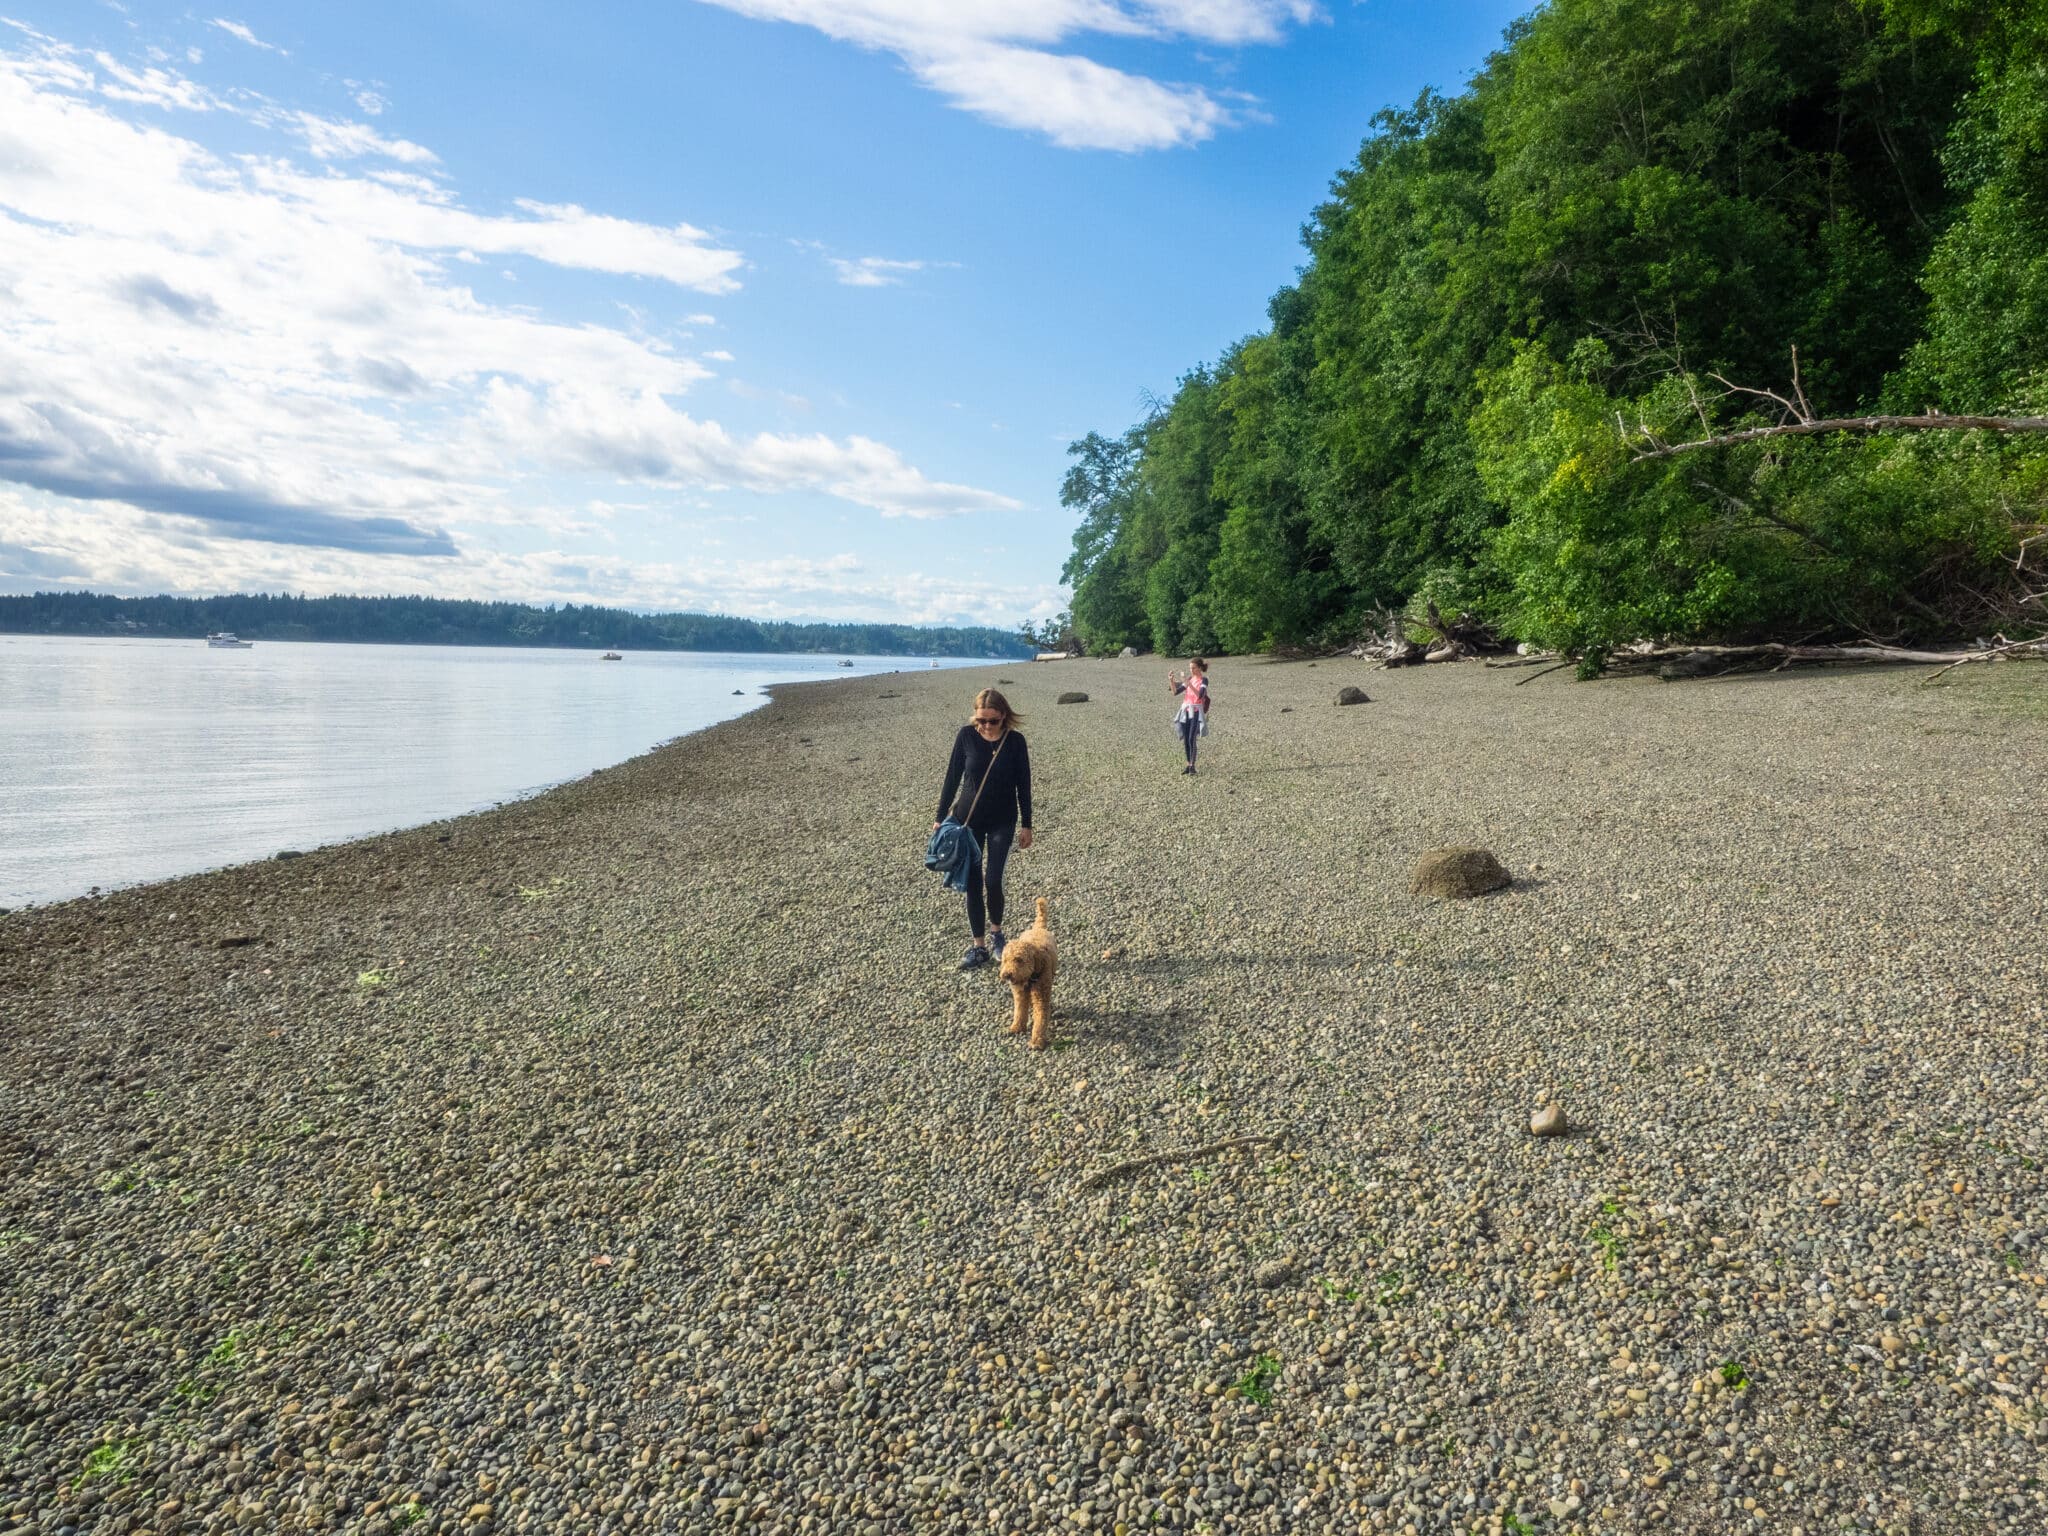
(1115, 1170)
(1556, 666)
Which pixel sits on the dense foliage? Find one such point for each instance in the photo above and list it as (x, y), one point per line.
(438, 621)
(1635, 204)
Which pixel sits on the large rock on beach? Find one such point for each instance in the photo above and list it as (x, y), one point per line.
(1128, 653)
(1457, 873)
(1071, 698)
(1352, 695)
(1549, 1121)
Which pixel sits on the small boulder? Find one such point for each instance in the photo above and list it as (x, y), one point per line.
(1071, 698)
(288, 853)
(1273, 1275)
(1127, 654)
(1549, 1121)
(1350, 695)
(737, 692)
(1457, 873)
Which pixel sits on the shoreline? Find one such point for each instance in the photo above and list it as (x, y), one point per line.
(635, 1150)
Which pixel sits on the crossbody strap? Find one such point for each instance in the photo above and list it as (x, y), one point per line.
(991, 768)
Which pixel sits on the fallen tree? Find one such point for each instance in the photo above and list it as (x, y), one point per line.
(1673, 662)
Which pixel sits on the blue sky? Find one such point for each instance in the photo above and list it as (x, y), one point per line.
(786, 308)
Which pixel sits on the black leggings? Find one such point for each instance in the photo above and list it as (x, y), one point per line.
(1190, 728)
(995, 853)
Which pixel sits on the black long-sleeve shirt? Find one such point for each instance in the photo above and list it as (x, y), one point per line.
(1007, 798)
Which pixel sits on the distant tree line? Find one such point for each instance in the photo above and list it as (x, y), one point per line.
(1614, 239)
(445, 621)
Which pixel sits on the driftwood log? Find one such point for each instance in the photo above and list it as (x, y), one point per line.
(1786, 655)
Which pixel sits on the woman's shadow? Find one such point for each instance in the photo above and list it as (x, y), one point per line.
(1152, 1037)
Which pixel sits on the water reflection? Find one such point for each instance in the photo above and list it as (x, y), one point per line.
(130, 760)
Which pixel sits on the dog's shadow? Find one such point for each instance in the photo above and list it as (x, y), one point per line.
(1152, 1037)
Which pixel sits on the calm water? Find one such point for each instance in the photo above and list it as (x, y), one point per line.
(131, 760)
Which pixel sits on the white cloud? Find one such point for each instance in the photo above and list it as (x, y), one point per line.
(330, 139)
(780, 397)
(872, 271)
(720, 356)
(123, 550)
(252, 354)
(992, 58)
(152, 87)
(644, 439)
(236, 29)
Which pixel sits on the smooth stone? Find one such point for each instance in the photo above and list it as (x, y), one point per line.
(1549, 1121)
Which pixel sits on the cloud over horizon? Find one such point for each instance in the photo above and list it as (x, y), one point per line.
(133, 552)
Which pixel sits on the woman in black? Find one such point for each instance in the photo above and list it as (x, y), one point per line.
(988, 790)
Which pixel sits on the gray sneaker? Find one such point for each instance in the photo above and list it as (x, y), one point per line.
(976, 955)
(996, 941)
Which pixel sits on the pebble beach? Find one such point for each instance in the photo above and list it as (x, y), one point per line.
(634, 1158)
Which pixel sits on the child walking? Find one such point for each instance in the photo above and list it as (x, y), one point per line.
(1191, 721)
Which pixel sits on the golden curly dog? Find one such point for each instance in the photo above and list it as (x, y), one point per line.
(1029, 961)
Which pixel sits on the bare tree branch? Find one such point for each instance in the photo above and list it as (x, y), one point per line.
(1932, 422)
(1797, 420)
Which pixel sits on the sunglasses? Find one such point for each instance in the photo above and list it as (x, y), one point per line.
(988, 719)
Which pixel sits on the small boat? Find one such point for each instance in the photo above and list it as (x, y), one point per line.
(611, 656)
(224, 640)
(846, 663)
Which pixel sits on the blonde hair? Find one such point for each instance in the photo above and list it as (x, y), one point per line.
(989, 698)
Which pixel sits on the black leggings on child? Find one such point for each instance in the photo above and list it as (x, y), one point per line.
(1190, 728)
(995, 853)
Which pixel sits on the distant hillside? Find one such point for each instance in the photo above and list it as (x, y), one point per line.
(441, 621)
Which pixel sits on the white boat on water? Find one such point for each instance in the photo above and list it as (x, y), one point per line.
(224, 640)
